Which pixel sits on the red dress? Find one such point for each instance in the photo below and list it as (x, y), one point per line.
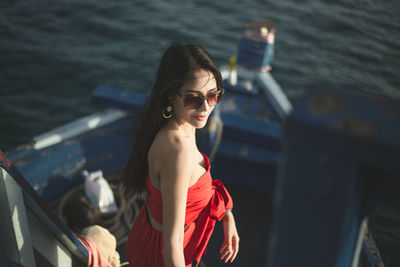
(207, 201)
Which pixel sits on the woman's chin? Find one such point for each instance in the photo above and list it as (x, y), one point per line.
(200, 124)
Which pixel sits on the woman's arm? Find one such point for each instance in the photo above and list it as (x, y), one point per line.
(175, 170)
(230, 247)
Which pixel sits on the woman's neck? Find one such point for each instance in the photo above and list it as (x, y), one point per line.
(185, 128)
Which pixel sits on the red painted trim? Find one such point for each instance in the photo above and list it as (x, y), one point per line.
(4, 161)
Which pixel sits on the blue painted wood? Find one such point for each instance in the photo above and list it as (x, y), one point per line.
(370, 253)
(118, 98)
(366, 117)
(258, 110)
(274, 96)
(233, 170)
(248, 130)
(20, 151)
(247, 106)
(55, 170)
(253, 52)
(250, 88)
(340, 161)
(248, 152)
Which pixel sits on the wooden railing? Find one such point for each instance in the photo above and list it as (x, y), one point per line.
(31, 235)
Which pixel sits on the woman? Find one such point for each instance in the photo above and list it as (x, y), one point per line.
(183, 202)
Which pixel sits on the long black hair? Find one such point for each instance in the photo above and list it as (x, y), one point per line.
(177, 67)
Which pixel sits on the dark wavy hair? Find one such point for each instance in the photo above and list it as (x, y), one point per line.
(177, 67)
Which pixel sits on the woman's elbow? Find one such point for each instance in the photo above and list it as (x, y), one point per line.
(173, 243)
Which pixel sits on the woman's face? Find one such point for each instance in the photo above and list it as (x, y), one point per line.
(203, 84)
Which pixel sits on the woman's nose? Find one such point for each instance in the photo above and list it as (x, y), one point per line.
(204, 106)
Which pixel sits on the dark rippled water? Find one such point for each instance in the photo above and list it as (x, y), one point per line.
(54, 53)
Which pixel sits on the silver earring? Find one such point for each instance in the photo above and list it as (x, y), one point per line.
(167, 114)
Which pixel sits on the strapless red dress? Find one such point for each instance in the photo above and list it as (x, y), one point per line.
(207, 201)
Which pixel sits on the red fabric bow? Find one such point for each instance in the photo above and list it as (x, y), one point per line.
(215, 210)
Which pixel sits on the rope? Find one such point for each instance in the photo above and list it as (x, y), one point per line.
(119, 223)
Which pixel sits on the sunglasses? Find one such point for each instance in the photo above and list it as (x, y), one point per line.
(196, 100)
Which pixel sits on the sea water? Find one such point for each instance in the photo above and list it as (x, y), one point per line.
(54, 53)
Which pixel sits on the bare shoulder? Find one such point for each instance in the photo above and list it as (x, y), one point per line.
(170, 153)
(168, 143)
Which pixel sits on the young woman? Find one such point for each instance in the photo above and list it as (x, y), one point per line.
(183, 201)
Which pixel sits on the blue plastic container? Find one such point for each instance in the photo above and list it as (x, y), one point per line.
(254, 53)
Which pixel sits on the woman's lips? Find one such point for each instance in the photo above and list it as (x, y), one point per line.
(201, 118)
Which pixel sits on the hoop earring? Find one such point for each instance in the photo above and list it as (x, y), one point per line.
(169, 112)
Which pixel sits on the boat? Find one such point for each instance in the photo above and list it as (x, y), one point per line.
(251, 141)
